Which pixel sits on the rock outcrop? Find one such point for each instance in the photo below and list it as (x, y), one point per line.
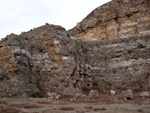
(36, 62)
(47, 59)
(114, 20)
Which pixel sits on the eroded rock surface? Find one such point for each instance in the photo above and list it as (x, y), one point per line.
(46, 60)
(114, 20)
(36, 62)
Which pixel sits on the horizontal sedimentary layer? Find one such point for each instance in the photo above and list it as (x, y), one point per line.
(114, 20)
(47, 59)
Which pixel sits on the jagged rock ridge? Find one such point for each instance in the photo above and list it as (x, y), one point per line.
(114, 20)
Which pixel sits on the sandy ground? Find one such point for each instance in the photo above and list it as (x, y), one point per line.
(44, 105)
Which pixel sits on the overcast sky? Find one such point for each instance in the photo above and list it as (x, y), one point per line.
(17, 16)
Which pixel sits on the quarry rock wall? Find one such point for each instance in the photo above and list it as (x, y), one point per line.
(47, 60)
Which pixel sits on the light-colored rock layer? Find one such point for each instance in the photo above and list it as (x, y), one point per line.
(116, 19)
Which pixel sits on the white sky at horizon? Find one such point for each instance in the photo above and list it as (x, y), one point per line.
(17, 16)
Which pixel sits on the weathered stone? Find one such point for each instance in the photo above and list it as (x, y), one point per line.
(93, 94)
(14, 42)
(53, 95)
(69, 92)
(128, 94)
(144, 94)
(112, 92)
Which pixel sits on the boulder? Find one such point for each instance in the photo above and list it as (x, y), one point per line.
(93, 94)
(113, 92)
(144, 94)
(127, 94)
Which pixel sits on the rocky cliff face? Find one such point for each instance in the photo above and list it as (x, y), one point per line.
(47, 59)
(114, 20)
(36, 62)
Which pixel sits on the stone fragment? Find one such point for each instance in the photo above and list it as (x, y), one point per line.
(93, 94)
(52, 95)
(144, 94)
(112, 92)
(128, 94)
(69, 92)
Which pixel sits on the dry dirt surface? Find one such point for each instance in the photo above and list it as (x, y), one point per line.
(44, 105)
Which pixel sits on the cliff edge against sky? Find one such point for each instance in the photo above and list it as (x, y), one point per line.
(114, 20)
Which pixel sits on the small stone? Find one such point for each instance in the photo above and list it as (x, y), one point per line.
(46, 23)
(144, 94)
(93, 94)
(69, 92)
(128, 94)
(53, 95)
(78, 95)
(112, 92)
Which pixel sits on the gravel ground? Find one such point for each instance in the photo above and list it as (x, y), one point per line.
(44, 105)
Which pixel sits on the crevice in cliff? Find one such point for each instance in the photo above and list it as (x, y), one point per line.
(30, 66)
(74, 70)
(129, 15)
